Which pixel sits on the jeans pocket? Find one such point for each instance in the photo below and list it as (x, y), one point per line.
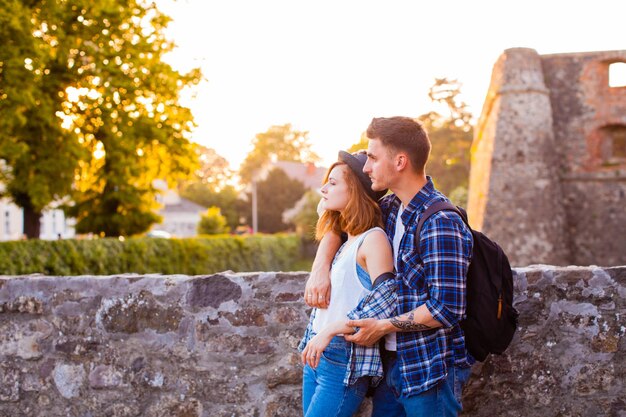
(461, 376)
(337, 357)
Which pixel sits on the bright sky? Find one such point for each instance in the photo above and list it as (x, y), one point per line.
(329, 66)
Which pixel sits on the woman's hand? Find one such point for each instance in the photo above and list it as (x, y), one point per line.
(313, 350)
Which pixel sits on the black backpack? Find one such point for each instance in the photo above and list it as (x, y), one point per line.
(491, 320)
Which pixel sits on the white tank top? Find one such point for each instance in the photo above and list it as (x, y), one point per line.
(346, 289)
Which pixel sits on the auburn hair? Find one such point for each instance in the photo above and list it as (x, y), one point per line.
(360, 214)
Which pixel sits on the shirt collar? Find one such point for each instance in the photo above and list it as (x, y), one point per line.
(417, 202)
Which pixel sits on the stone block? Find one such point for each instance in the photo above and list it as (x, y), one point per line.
(212, 291)
(135, 313)
(69, 379)
(247, 316)
(9, 384)
(104, 376)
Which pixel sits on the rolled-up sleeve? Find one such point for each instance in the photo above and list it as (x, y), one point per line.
(446, 250)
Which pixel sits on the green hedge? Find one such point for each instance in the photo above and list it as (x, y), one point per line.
(194, 256)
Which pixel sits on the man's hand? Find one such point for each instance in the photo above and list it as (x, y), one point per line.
(317, 289)
(370, 331)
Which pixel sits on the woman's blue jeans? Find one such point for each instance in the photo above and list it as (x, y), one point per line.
(323, 391)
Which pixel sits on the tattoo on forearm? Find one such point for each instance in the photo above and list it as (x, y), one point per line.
(407, 324)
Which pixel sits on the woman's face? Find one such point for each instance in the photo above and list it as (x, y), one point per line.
(335, 193)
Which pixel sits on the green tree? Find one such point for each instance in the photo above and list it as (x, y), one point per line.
(38, 158)
(104, 119)
(451, 138)
(210, 186)
(360, 145)
(306, 217)
(275, 194)
(448, 92)
(214, 170)
(277, 143)
(212, 222)
(227, 199)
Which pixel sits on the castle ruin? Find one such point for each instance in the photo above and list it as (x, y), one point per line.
(548, 176)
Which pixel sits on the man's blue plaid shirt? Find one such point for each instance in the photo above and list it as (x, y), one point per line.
(432, 270)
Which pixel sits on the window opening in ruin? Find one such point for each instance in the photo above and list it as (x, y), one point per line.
(617, 74)
(613, 149)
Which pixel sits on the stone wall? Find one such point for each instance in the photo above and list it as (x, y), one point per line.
(515, 141)
(548, 177)
(225, 345)
(593, 176)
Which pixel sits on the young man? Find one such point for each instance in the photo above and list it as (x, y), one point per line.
(425, 360)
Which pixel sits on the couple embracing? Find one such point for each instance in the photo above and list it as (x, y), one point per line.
(387, 302)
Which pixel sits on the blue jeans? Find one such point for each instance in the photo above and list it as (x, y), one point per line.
(323, 391)
(444, 399)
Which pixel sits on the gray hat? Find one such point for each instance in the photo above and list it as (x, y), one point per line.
(356, 162)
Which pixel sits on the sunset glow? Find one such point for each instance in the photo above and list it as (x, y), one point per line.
(329, 67)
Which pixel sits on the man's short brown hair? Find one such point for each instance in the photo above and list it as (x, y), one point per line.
(402, 134)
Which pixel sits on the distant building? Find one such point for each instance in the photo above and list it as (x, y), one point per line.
(180, 216)
(548, 177)
(54, 224)
(307, 173)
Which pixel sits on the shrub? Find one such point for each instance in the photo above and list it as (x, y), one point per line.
(212, 222)
(194, 256)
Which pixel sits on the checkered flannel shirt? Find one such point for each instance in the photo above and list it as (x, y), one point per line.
(432, 270)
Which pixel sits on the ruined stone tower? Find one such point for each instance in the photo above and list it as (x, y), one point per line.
(548, 176)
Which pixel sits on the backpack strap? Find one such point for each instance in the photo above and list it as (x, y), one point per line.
(382, 278)
(437, 207)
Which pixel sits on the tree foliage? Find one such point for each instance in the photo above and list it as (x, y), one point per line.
(278, 143)
(275, 194)
(38, 157)
(306, 217)
(360, 145)
(451, 138)
(227, 199)
(213, 169)
(210, 186)
(447, 92)
(101, 116)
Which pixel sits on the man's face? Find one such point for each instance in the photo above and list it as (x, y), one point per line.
(379, 165)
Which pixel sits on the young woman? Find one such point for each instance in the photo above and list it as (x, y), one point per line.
(338, 373)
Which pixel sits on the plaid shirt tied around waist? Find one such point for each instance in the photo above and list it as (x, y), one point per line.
(380, 303)
(432, 270)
